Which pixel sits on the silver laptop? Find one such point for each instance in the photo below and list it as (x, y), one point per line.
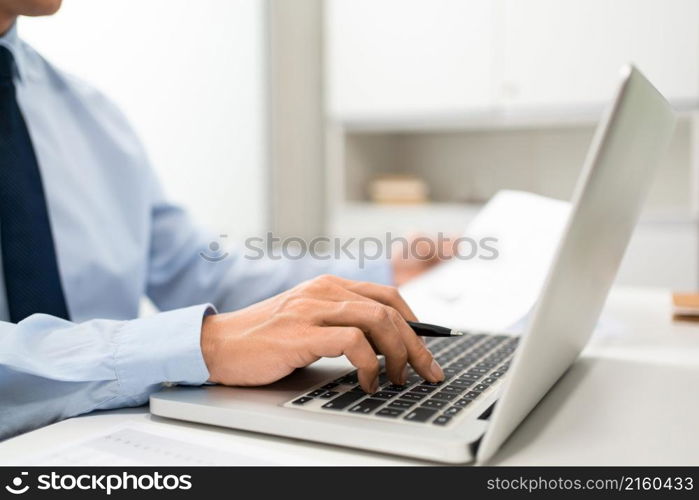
(458, 420)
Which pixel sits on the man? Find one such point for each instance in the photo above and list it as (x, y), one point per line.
(85, 232)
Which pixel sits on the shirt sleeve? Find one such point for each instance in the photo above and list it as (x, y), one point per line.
(179, 274)
(51, 369)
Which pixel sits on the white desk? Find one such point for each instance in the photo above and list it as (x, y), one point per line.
(589, 418)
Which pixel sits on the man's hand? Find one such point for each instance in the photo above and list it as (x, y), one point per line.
(324, 317)
(420, 254)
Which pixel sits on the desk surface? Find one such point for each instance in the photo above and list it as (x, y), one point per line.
(630, 399)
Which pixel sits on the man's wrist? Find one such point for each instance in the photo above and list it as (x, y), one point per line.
(165, 347)
(208, 345)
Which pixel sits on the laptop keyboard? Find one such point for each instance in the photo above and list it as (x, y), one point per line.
(472, 365)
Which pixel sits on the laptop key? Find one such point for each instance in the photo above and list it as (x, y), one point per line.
(343, 401)
(485, 364)
(459, 382)
(349, 379)
(420, 414)
(401, 403)
(302, 400)
(412, 396)
(472, 394)
(384, 395)
(394, 388)
(444, 396)
(450, 412)
(315, 393)
(442, 420)
(367, 406)
(330, 385)
(463, 402)
(413, 379)
(454, 389)
(329, 394)
(390, 412)
(424, 389)
(459, 365)
(433, 403)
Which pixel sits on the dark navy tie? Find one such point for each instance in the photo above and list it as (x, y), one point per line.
(32, 281)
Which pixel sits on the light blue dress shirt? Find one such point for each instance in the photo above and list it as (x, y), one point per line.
(117, 239)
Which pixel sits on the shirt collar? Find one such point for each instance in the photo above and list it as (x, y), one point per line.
(11, 41)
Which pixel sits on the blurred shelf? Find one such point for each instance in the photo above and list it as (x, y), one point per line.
(371, 219)
(364, 208)
(487, 119)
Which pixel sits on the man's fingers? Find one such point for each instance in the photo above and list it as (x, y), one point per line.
(386, 295)
(450, 247)
(393, 344)
(375, 320)
(383, 331)
(335, 341)
(389, 331)
(381, 312)
(418, 355)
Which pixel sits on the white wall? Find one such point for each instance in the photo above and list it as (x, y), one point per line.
(190, 76)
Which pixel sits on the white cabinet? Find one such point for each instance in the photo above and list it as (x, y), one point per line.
(408, 57)
(662, 254)
(415, 58)
(475, 96)
(569, 52)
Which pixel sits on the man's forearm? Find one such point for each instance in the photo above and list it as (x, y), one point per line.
(52, 369)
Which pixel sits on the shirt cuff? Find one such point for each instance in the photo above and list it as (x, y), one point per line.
(165, 347)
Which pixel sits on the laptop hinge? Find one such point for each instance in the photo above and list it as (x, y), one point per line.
(487, 412)
(473, 446)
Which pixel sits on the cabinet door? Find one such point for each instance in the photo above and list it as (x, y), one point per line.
(390, 58)
(662, 254)
(569, 52)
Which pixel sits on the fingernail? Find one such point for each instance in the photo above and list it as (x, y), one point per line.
(404, 377)
(436, 371)
(375, 385)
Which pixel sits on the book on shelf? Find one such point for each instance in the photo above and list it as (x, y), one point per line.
(398, 189)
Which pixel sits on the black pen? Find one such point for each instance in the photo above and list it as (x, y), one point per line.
(427, 330)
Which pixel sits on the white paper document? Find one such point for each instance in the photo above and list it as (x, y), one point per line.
(138, 445)
(494, 294)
